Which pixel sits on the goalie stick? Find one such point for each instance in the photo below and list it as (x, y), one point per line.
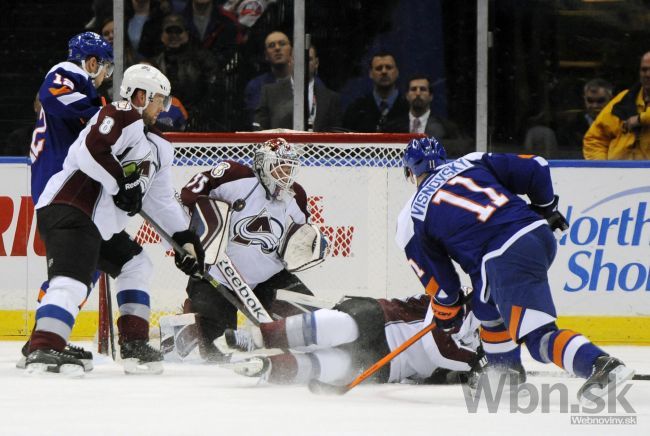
(246, 301)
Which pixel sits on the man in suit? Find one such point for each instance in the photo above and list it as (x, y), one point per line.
(419, 96)
(276, 104)
(278, 52)
(384, 108)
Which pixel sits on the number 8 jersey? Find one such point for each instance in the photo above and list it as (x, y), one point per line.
(468, 211)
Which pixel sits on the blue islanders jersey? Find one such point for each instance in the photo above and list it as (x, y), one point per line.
(69, 100)
(468, 211)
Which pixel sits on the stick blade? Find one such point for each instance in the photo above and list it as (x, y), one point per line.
(320, 388)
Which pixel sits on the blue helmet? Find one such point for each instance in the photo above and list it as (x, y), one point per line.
(423, 155)
(89, 44)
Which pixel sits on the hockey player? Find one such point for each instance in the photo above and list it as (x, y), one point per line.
(69, 99)
(113, 169)
(469, 211)
(265, 201)
(349, 338)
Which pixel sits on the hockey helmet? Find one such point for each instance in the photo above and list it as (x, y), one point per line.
(150, 80)
(423, 155)
(275, 164)
(87, 44)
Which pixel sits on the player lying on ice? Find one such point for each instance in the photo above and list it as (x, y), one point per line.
(343, 341)
(469, 211)
(117, 166)
(267, 208)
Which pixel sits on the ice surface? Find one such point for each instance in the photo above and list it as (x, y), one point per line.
(198, 399)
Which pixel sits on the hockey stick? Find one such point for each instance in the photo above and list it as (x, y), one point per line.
(109, 308)
(246, 301)
(318, 387)
(554, 374)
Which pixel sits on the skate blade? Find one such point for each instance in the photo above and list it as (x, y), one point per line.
(22, 363)
(88, 364)
(617, 376)
(66, 370)
(134, 366)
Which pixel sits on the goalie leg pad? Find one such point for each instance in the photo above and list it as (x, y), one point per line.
(215, 315)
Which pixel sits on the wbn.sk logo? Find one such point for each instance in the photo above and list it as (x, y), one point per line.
(499, 389)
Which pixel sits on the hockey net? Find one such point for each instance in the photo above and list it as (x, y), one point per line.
(347, 178)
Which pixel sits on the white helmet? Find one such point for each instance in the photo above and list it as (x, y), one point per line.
(150, 80)
(276, 164)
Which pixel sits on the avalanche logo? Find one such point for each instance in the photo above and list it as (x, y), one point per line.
(262, 230)
(611, 246)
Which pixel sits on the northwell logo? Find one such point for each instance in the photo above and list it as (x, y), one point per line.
(597, 237)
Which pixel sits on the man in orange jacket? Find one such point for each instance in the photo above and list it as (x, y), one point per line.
(622, 129)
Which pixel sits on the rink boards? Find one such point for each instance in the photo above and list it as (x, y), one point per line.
(600, 278)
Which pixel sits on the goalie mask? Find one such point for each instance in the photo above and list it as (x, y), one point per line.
(150, 80)
(275, 164)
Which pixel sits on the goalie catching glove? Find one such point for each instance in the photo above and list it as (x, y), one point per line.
(303, 246)
(191, 261)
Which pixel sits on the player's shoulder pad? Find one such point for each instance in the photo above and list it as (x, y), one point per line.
(475, 156)
(123, 111)
(229, 170)
(405, 228)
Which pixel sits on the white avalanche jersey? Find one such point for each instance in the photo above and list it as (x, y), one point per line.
(403, 319)
(113, 138)
(255, 231)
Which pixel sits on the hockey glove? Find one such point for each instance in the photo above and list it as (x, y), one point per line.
(192, 261)
(555, 219)
(448, 318)
(129, 197)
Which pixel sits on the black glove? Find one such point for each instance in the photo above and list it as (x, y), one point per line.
(555, 219)
(129, 197)
(449, 317)
(191, 262)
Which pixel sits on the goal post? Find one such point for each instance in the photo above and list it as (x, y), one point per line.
(355, 189)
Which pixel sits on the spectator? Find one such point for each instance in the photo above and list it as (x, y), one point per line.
(571, 129)
(175, 119)
(278, 53)
(193, 73)
(19, 140)
(107, 31)
(214, 30)
(276, 106)
(385, 108)
(419, 96)
(622, 129)
(144, 25)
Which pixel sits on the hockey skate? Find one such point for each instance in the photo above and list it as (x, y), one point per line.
(608, 373)
(258, 366)
(497, 377)
(48, 360)
(138, 357)
(240, 340)
(86, 357)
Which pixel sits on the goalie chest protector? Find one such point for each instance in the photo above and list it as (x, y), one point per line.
(256, 230)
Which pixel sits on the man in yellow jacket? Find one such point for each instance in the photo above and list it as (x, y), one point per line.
(622, 129)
